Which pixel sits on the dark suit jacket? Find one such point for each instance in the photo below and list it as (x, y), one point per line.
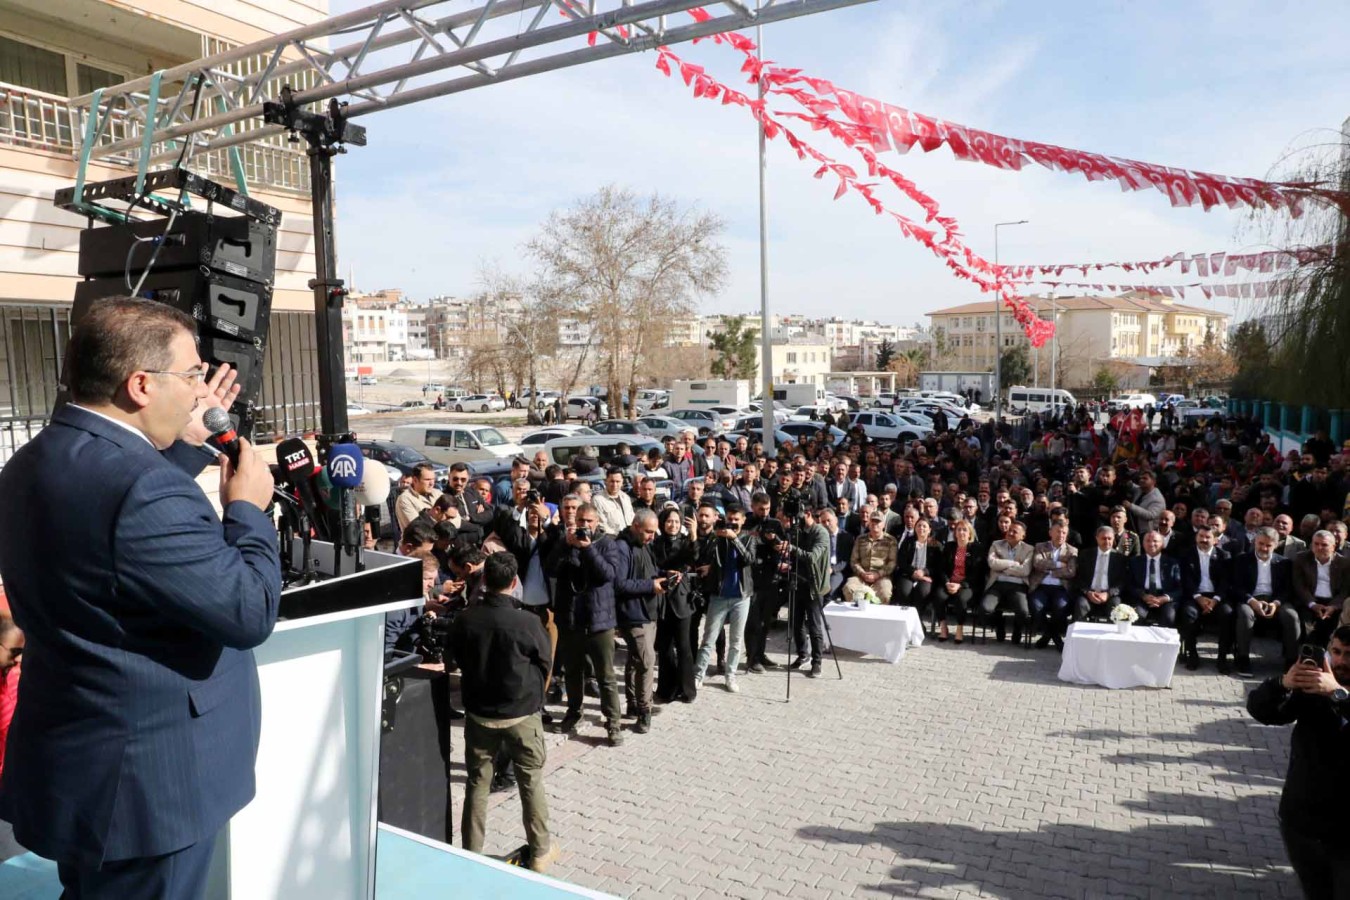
(1242, 577)
(976, 554)
(1117, 571)
(1305, 579)
(843, 551)
(904, 559)
(138, 724)
(1219, 565)
(1169, 576)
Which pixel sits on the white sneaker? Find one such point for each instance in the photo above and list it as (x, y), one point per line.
(698, 682)
(732, 686)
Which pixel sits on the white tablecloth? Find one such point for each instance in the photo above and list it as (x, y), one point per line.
(1144, 656)
(885, 631)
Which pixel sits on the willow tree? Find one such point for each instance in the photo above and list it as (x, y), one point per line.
(1307, 321)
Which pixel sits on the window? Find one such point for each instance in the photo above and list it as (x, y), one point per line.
(792, 357)
(89, 79)
(465, 440)
(440, 438)
(32, 67)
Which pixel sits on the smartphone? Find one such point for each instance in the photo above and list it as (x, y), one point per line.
(1311, 653)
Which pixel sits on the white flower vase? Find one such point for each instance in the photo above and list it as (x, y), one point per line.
(1123, 626)
(859, 599)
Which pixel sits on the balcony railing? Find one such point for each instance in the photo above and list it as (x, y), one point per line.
(45, 122)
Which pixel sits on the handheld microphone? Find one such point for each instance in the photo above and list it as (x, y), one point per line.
(223, 436)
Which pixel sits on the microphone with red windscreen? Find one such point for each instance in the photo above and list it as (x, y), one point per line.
(223, 436)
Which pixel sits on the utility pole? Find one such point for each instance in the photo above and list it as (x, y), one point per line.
(998, 331)
(767, 421)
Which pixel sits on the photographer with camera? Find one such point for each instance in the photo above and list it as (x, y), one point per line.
(1313, 695)
(803, 552)
(727, 566)
(675, 553)
(585, 565)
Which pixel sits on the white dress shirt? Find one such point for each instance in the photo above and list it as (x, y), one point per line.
(1101, 571)
(1323, 589)
(1153, 574)
(1264, 584)
(1206, 585)
(1051, 578)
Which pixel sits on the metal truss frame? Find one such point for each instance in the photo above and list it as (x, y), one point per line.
(397, 54)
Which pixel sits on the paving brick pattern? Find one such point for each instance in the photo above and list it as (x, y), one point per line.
(961, 772)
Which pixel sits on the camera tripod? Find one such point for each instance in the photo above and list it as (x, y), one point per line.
(795, 541)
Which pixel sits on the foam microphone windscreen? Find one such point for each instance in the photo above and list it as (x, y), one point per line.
(345, 465)
(374, 487)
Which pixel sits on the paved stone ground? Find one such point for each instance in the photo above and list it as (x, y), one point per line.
(961, 772)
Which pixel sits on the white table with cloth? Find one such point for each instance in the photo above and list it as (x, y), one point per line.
(874, 629)
(1142, 656)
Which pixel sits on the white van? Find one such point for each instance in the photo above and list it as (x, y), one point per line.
(448, 443)
(1038, 400)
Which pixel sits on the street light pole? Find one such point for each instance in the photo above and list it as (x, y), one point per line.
(1054, 340)
(768, 424)
(998, 332)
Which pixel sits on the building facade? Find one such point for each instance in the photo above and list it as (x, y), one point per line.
(1135, 329)
(50, 52)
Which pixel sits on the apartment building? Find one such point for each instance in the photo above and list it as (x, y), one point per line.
(50, 52)
(1138, 328)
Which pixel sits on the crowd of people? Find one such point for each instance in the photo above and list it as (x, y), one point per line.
(688, 558)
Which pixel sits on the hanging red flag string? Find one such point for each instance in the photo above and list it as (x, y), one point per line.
(1205, 265)
(964, 262)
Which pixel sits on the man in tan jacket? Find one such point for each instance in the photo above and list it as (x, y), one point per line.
(873, 560)
(1053, 567)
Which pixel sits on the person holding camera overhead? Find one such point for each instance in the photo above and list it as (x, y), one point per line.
(1313, 696)
(727, 568)
(585, 565)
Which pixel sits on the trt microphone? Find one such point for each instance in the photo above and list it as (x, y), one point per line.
(223, 436)
(297, 463)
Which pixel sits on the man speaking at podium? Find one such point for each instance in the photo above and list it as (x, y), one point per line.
(137, 724)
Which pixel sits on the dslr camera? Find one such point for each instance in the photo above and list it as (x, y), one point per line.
(532, 497)
(583, 533)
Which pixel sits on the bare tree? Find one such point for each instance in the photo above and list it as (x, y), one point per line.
(621, 267)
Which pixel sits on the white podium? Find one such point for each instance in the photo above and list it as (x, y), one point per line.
(310, 830)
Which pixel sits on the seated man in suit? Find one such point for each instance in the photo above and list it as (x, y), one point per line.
(1204, 597)
(1260, 593)
(1154, 584)
(1099, 579)
(1053, 567)
(841, 551)
(1321, 582)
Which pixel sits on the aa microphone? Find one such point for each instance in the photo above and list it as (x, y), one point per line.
(223, 436)
(374, 487)
(345, 466)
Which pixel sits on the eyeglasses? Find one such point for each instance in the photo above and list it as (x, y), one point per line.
(192, 376)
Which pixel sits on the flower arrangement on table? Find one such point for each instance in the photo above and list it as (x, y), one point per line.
(1124, 616)
(867, 595)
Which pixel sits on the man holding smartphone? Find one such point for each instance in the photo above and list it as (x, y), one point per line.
(1313, 696)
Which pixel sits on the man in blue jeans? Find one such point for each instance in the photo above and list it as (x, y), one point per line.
(726, 562)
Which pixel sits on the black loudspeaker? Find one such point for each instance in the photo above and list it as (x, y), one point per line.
(232, 245)
(217, 269)
(221, 304)
(414, 783)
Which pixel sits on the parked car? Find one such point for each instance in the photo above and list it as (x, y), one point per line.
(801, 431)
(415, 404)
(914, 418)
(583, 407)
(808, 413)
(880, 426)
(545, 398)
(620, 426)
(369, 379)
(1127, 402)
(705, 420)
(433, 387)
(400, 457)
(753, 408)
(480, 403)
(542, 435)
(564, 450)
(354, 409)
(660, 426)
(755, 434)
(449, 442)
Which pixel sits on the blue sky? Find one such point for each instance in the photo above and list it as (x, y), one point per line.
(449, 185)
